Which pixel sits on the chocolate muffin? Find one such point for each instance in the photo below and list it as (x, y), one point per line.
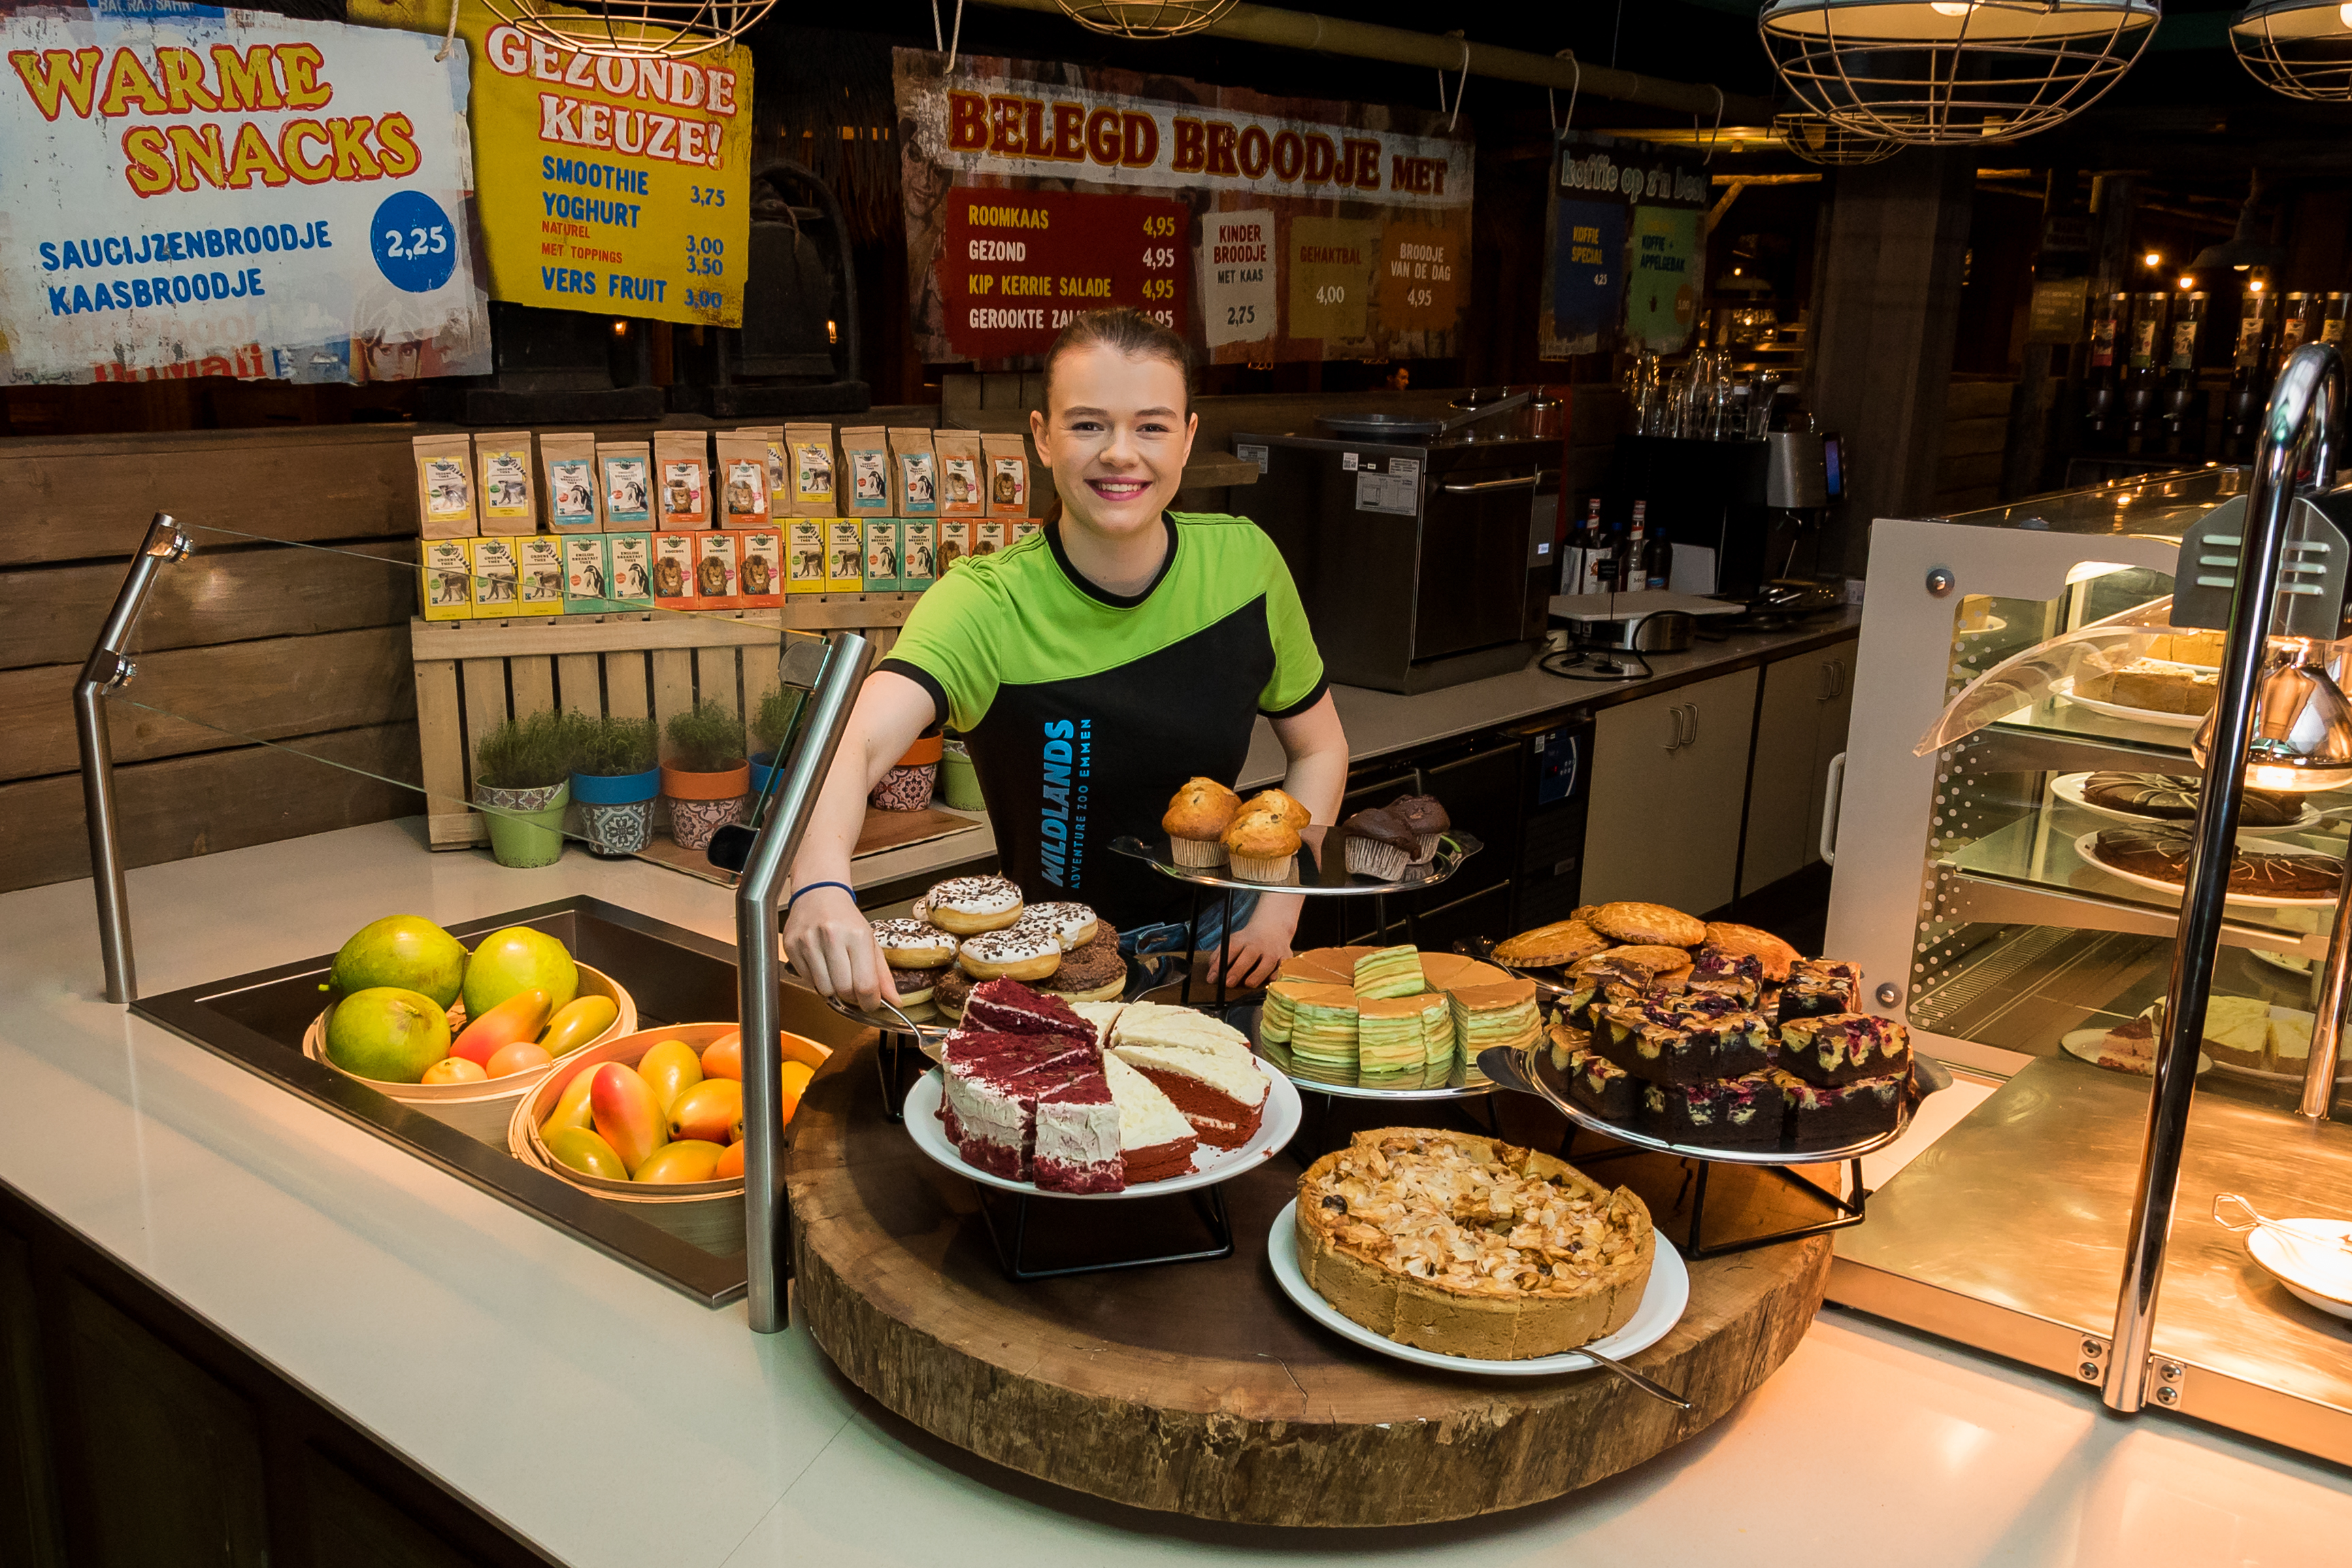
(1380, 844)
(1426, 817)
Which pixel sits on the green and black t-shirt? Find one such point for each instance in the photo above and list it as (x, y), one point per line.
(1085, 710)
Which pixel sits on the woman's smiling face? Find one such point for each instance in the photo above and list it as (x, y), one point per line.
(1117, 434)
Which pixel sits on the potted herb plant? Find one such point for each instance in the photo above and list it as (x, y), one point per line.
(522, 782)
(771, 727)
(707, 774)
(615, 777)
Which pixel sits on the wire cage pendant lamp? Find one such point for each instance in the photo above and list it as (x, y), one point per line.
(634, 29)
(1817, 138)
(1146, 18)
(1934, 72)
(2302, 49)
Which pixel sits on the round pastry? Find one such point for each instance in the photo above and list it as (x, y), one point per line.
(1012, 953)
(913, 944)
(1550, 947)
(1768, 950)
(967, 906)
(950, 991)
(1262, 846)
(1093, 973)
(1195, 820)
(1379, 844)
(1648, 925)
(1426, 818)
(1657, 962)
(1292, 813)
(1071, 925)
(2170, 798)
(916, 986)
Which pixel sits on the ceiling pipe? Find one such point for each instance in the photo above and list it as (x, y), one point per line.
(1398, 46)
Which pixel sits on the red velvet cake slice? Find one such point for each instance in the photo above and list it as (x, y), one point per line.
(990, 1085)
(1077, 1147)
(1009, 1007)
(1155, 1141)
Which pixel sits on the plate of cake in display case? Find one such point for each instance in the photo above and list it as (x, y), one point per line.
(2172, 798)
(1389, 1024)
(1099, 1100)
(2146, 692)
(2265, 873)
(1370, 1248)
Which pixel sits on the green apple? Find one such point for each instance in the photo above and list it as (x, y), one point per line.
(407, 951)
(517, 959)
(388, 1034)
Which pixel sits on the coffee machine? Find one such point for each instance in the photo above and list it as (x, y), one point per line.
(1749, 504)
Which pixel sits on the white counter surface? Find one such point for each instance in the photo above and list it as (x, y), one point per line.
(611, 1421)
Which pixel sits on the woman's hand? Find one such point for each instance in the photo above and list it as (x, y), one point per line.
(1259, 948)
(832, 945)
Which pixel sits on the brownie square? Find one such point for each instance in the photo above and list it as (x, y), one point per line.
(1724, 1113)
(1602, 1087)
(1652, 1045)
(1741, 1043)
(1810, 997)
(1600, 990)
(1740, 975)
(1827, 1117)
(1842, 1047)
(1706, 1005)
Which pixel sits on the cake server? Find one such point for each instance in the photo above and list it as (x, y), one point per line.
(1655, 1390)
(2297, 1239)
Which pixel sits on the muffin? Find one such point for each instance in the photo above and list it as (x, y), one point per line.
(1379, 844)
(1292, 813)
(1426, 817)
(1262, 846)
(1196, 819)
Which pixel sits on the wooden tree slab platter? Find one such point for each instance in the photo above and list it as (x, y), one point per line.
(1197, 1387)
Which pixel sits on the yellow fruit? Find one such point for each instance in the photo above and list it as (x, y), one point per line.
(454, 1069)
(689, 1160)
(572, 1105)
(731, 1163)
(626, 1113)
(669, 1068)
(586, 1153)
(520, 1057)
(723, 1057)
(706, 1111)
(520, 1017)
(577, 1024)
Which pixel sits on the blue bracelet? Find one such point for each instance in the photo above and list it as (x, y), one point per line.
(799, 891)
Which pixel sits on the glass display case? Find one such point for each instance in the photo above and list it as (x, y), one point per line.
(1973, 885)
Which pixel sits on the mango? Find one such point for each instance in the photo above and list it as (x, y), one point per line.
(576, 1024)
(454, 1069)
(670, 1069)
(586, 1153)
(406, 951)
(692, 1160)
(518, 959)
(730, 1164)
(723, 1057)
(626, 1113)
(388, 1034)
(570, 1107)
(522, 1056)
(706, 1111)
(520, 1017)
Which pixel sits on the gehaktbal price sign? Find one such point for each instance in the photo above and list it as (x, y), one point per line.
(1016, 265)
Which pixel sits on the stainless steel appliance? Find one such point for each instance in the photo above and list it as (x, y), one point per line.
(1423, 561)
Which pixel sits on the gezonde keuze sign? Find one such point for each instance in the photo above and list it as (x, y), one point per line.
(187, 191)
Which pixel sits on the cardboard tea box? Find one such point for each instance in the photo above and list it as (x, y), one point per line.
(444, 580)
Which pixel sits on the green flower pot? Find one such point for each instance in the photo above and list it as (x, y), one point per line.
(526, 825)
(959, 780)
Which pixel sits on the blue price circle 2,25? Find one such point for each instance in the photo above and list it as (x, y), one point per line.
(415, 244)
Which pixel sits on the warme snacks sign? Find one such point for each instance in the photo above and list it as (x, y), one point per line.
(607, 184)
(1262, 228)
(188, 191)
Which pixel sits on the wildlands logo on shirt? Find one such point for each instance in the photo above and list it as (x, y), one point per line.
(1062, 823)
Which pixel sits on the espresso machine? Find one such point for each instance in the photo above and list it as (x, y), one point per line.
(1752, 505)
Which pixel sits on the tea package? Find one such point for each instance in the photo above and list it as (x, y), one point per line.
(804, 555)
(587, 570)
(503, 463)
(845, 568)
(918, 554)
(811, 449)
(988, 536)
(866, 451)
(496, 586)
(574, 494)
(444, 487)
(539, 574)
(759, 567)
(882, 555)
(444, 580)
(1007, 460)
(955, 543)
(715, 585)
(780, 471)
(682, 478)
(629, 583)
(673, 571)
(960, 487)
(742, 481)
(1024, 527)
(625, 468)
(914, 472)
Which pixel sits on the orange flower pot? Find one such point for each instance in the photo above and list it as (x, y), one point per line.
(679, 784)
(702, 803)
(927, 749)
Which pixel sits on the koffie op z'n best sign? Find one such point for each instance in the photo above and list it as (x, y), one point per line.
(187, 191)
(1262, 228)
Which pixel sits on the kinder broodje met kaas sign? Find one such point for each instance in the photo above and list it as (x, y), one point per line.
(190, 191)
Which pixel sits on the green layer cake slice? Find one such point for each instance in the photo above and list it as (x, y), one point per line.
(1323, 1032)
(1436, 1036)
(1488, 1016)
(1389, 972)
(1388, 1037)
(1274, 1019)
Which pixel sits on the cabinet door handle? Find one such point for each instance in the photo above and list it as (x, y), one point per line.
(1523, 482)
(1836, 799)
(1674, 718)
(1822, 687)
(1837, 667)
(1690, 737)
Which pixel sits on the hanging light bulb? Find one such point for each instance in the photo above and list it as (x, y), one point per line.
(2301, 48)
(2302, 738)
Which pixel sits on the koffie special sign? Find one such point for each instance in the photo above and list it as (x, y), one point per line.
(1264, 228)
(228, 193)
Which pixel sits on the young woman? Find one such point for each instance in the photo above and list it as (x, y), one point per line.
(1091, 668)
